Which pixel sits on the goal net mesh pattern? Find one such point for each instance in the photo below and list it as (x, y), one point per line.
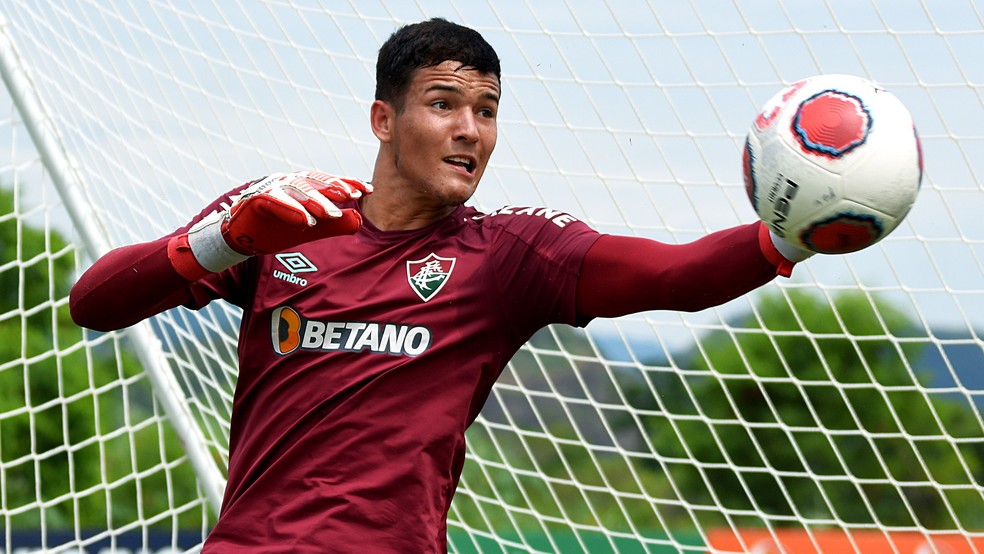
(839, 410)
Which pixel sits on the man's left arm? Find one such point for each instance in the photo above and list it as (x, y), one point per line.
(622, 275)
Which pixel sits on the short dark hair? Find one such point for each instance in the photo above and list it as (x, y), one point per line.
(427, 44)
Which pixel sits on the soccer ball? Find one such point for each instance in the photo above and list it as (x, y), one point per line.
(833, 163)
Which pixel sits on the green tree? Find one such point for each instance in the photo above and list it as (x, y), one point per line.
(65, 461)
(803, 420)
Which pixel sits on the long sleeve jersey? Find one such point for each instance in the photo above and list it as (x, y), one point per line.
(364, 358)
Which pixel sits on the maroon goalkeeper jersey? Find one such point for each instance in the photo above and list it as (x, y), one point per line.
(362, 361)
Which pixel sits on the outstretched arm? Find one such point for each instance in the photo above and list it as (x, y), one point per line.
(622, 275)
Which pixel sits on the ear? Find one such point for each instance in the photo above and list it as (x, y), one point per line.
(381, 117)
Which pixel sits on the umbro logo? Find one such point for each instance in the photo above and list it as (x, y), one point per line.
(295, 262)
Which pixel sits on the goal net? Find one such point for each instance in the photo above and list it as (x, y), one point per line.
(836, 411)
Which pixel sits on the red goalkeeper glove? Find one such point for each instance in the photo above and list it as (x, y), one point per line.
(271, 215)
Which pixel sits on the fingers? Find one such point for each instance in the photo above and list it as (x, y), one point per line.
(337, 189)
(318, 205)
(304, 197)
(349, 222)
(279, 206)
(353, 188)
(318, 192)
(290, 202)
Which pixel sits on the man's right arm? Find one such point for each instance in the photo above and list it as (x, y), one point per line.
(266, 216)
(127, 285)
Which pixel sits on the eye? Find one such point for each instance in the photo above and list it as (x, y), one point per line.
(487, 112)
(441, 104)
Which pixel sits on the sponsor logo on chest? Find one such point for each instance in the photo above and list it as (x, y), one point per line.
(290, 332)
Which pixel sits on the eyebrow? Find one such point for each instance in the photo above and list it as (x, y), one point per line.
(457, 90)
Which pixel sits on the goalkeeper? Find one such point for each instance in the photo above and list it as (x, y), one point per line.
(377, 317)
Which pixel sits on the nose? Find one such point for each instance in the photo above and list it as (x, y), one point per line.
(466, 127)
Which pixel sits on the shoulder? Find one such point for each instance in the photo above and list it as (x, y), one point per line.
(531, 219)
(549, 233)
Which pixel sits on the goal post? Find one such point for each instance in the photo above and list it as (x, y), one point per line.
(54, 159)
(840, 410)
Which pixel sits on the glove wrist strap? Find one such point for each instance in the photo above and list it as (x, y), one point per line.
(769, 248)
(183, 260)
(209, 246)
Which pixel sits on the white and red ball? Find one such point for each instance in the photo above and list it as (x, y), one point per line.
(833, 163)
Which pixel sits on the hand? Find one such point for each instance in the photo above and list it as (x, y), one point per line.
(283, 210)
(789, 251)
(271, 215)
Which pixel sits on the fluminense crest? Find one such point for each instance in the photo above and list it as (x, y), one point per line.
(428, 276)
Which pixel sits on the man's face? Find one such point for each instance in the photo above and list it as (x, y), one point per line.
(443, 137)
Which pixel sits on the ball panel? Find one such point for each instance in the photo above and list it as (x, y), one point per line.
(842, 233)
(831, 123)
(888, 189)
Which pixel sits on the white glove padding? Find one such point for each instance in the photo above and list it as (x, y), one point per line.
(276, 213)
(792, 253)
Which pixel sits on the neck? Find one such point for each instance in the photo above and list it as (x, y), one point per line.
(388, 210)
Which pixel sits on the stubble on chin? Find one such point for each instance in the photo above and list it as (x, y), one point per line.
(450, 196)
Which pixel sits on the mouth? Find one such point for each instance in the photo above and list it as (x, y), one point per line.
(464, 162)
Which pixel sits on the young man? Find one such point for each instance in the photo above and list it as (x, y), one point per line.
(359, 375)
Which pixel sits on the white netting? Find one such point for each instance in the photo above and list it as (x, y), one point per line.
(841, 408)
(87, 459)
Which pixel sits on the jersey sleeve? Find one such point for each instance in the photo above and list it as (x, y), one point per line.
(623, 275)
(537, 256)
(134, 282)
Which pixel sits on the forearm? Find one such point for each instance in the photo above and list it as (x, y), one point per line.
(265, 216)
(622, 275)
(127, 285)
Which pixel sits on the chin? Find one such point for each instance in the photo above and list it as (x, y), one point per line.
(457, 199)
(458, 193)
